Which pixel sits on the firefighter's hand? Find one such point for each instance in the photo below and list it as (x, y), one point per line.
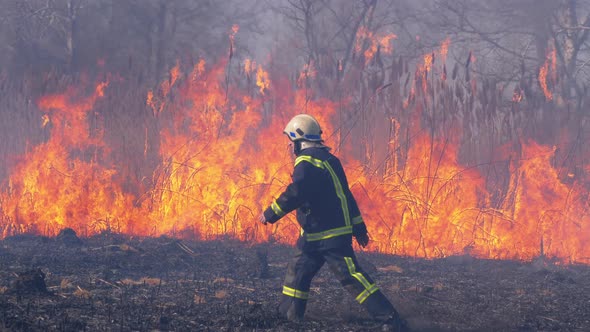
(262, 219)
(362, 239)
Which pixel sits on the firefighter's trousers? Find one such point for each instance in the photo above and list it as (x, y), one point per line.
(343, 264)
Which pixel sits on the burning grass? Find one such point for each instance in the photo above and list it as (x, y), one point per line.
(441, 164)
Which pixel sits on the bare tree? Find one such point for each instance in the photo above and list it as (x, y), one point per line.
(516, 37)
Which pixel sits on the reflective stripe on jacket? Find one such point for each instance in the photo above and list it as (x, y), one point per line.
(326, 208)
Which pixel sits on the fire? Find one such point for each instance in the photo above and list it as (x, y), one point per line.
(156, 104)
(308, 72)
(262, 80)
(549, 69)
(234, 30)
(430, 206)
(367, 43)
(62, 182)
(198, 70)
(517, 95)
(221, 159)
(444, 48)
(543, 82)
(248, 66)
(427, 66)
(555, 227)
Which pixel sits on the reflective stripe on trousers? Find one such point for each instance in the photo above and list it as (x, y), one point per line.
(342, 262)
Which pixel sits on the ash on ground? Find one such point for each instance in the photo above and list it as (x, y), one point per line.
(115, 282)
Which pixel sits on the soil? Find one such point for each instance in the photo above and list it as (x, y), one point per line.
(113, 282)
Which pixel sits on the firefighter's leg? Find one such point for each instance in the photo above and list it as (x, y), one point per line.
(357, 282)
(300, 272)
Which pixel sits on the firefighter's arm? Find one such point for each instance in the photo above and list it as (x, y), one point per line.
(291, 198)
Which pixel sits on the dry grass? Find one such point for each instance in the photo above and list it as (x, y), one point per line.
(388, 109)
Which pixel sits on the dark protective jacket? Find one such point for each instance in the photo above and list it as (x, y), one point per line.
(326, 209)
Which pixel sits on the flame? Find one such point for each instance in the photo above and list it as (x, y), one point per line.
(308, 72)
(234, 30)
(248, 66)
(424, 70)
(367, 43)
(45, 119)
(262, 77)
(262, 80)
(444, 48)
(556, 224)
(549, 68)
(543, 81)
(63, 182)
(430, 210)
(221, 158)
(517, 95)
(198, 70)
(165, 87)
(427, 66)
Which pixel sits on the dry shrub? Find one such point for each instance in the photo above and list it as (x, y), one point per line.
(142, 281)
(221, 294)
(198, 299)
(82, 293)
(223, 280)
(391, 268)
(65, 283)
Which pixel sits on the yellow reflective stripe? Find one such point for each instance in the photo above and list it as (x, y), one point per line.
(311, 160)
(295, 293)
(366, 293)
(357, 275)
(357, 220)
(277, 209)
(339, 192)
(328, 234)
(347, 229)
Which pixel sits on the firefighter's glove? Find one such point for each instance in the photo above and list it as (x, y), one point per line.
(362, 239)
(262, 219)
(359, 231)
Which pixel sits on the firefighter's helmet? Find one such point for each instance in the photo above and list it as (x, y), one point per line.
(303, 127)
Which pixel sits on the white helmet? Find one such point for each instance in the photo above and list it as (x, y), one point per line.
(303, 127)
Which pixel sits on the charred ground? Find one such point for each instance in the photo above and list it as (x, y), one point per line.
(115, 282)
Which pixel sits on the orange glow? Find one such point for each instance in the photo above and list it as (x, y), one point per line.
(550, 65)
(308, 72)
(444, 49)
(262, 80)
(234, 30)
(517, 95)
(157, 105)
(221, 159)
(368, 43)
(198, 70)
(426, 68)
(248, 66)
(45, 119)
(61, 183)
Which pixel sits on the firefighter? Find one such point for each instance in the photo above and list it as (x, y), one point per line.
(329, 218)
